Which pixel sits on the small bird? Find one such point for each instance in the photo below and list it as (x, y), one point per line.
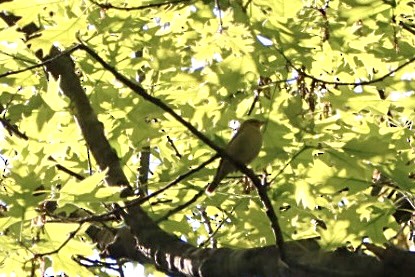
(244, 147)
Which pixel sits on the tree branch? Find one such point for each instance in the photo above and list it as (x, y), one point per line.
(108, 6)
(181, 207)
(92, 129)
(12, 129)
(338, 83)
(79, 177)
(141, 200)
(43, 63)
(70, 237)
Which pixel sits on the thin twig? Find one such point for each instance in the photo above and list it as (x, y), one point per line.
(219, 16)
(45, 62)
(338, 83)
(181, 207)
(289, 162)
(12, 129)
(89, 161)
(94, 263)
(141, 200)
(108, 6)
(110, 215)
(171, 142)
(18, 58)
(79, 177)
(263, 84)
(206, 222)
(70, 237)
(407, 27)
(219, 226)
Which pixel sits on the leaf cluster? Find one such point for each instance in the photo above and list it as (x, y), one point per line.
(338, 104)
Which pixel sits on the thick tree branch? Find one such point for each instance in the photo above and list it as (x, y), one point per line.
(92, 129)
(61, 65)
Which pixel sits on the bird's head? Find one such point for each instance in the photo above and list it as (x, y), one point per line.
(252, 123)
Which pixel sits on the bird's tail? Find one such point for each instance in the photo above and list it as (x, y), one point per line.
(212, 186)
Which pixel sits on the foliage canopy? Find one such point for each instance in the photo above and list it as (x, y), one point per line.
(332, 79)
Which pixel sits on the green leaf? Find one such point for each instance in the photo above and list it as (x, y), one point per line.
(53, 97)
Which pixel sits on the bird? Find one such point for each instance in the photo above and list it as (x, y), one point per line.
(243, 147)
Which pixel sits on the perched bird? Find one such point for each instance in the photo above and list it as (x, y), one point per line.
(244, 147)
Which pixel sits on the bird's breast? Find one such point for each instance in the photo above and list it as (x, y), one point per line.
(246, 146)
